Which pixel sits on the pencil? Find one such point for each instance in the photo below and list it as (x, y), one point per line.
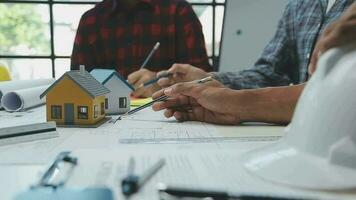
(150, 55)
(161, 98)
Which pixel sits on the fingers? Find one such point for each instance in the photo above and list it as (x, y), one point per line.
(138, 78)
(161, 73)
(344, 34)
(139, 92)
(185, 73)
(190, 89)
(181, 73)
(182, 116)
(178, 71)
(174, 103)
(171, 102)
(339, 33)
(180, 94)
(202, 115)
(165, 81)
(180, 68)
(313, 61)
(157, 94)
(146, 91)
(134, 77)
(173, 112)
(168, 113)
(193, 114)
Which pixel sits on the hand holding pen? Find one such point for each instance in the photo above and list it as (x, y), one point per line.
(158, 99)
(203, 101)
(180, 73)
(138, 78)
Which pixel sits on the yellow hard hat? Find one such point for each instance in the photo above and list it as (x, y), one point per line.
(4, 73)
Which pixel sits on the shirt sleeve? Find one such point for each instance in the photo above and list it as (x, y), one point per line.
(81, 49)
(275, 65)
(190, 39)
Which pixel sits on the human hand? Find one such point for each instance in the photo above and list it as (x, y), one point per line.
(138, 78)
(181, 73)
(341, 32)
(198, 102)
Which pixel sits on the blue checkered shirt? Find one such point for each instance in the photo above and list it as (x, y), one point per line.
(285, 59)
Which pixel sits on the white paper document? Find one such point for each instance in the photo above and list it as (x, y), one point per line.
(10, 86)
(36, 115)
(20, 100)
(211, 170)
(150, 127)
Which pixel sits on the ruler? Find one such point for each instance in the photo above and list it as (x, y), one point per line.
(28, 133)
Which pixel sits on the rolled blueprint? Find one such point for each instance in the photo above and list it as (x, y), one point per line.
(20, 100)
(10, 86)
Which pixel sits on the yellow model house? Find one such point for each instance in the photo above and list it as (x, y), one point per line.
(76, 99)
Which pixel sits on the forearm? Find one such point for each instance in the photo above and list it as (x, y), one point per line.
(256, 77)
(273, 105)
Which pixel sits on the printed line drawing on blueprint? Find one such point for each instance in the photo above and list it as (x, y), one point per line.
(153, 128)
(156, 132)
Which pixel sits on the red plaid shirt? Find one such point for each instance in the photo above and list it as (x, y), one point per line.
(109, 37)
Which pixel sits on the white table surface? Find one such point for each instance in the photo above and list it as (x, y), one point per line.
(21, 164)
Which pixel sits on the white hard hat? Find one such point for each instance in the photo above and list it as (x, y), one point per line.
(319, 149)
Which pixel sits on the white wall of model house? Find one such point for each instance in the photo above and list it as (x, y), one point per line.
(118, 100)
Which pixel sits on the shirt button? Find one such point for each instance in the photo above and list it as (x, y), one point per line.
(308, 55)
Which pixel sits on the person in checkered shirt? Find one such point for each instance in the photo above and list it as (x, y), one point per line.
(119, 34)
(270, 90)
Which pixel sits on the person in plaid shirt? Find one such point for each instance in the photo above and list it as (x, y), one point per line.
(119, 34)
(263, 93)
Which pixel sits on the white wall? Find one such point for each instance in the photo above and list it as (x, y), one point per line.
(257, 20)
(118, 89)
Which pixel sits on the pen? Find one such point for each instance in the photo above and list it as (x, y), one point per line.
(204, 80)
(132, 183)
(185, 192)
(150, 55)
(216, 195)
(161, 98)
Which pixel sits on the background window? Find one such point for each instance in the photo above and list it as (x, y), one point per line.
(56, 112)
(36, 37)
(82, 112)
